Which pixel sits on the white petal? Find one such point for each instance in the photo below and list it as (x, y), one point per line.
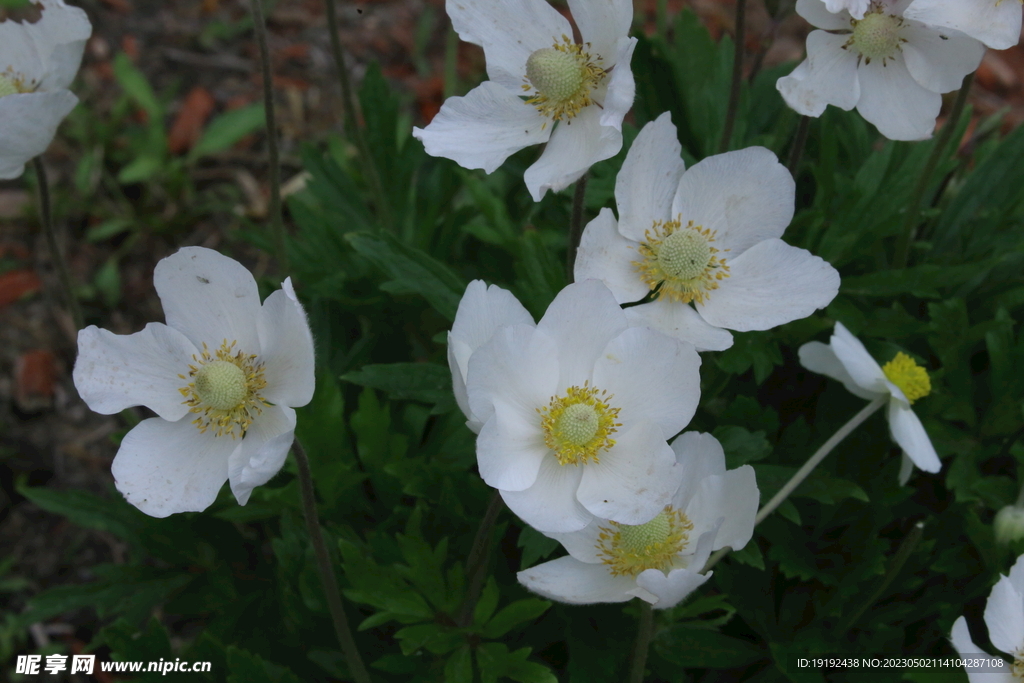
(745, 196)
(634, 480)
(584, 544)
(1017, 575)
(606, 255)
(940, 60)
(828, 16)
(287, 346)
(909, 433)
(855, 8)
(1004, 616)
(262, 452)
(48, 52)
(581, 320)
(898, 106)
(906, 469)
(672, 589)
(166, 467)
(519, 365)
(483, 128)
(997, 24)
(961, 638)
(859, 364)
(770, 284)
(602, 22)
(651, 377)
(569, 580)
(114, 371)
(700, 456)
(456, 351)
(820, 358)
(28, 123)
(209, 297)
(573, 148)
(648, 179)
(733, 498)
(550, 505)
(510, 449)
(681, 322)
(620, 87)
(509, 31)
(827, 76)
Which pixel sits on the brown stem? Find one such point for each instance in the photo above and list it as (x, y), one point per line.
(575, 226)
(476, 562)
(737, 75)
(46, 214)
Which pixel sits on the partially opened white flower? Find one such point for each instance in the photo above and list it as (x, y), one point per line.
(901, 380)
(996, 23)
(577, 411)
(1004, 617)
(240, 367)
(37, 64)
(543, 88)
(707, 236)
(659, 561)
(893, 69)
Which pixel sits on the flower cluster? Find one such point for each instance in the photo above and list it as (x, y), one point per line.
(37, 64)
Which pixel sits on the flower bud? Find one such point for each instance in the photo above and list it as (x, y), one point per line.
(1009, 524)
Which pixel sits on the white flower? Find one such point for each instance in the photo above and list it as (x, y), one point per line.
(996, 23)
(658, 561)
(576, 412)
(585, 89)
(856, 8)
(240, 367)
(901, 379)
(710, 236)
(892, 68)
(1008, 524)
(1004, 617)
(37, 64)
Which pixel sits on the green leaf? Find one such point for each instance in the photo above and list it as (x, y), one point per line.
(459, 667)
(741, 445)
(701, 648)
(487, 603)
(107, 229)
(536, 546)
(141, 169)
(750, 554)
(426, 382)
(514, 614)
(496, 662)
(246, 667)
(411, 270)
(227, 129)
(434, 638)
(111, 515)
(819, 486)
(137, 87)
(926, 281)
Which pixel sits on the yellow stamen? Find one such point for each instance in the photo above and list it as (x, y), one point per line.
(910, 377)
(578, 426)
(629, 550)
(563, 78)
(225, 390)
(681, 260)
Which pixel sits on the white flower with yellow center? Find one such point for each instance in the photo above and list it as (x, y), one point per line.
(543, 87)
(38, 61)
(996, 23)
(901, 379)
(892, 68)
(658, 561)
(1004, 617)
(576, 412)
(223, 375)
(708, 237)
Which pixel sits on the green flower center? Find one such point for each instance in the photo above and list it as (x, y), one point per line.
(8, 86)
(629, 550)
(877, 35)
(910, 377)
(684, 254)
(221, 385)
(562, 78)
(578, 426)
(681, 260)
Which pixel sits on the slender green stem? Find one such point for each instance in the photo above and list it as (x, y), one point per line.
(476, 562)
(1020, 497)
(818, 456)
(323, 563)
(46, 213)
(804, 472)
(737, 75)
(575, 226)
(796, 152)
(902, 253)
(348, 99)
(274, 210)
(910, 542)
(451, 63)
(644, 631)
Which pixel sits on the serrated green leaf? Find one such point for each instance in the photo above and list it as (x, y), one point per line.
(741, 445)
(426, 382)
(496, 662)
(246, 667)
(701, 648)
(459, 667)
(512, 615)
(536, 546)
